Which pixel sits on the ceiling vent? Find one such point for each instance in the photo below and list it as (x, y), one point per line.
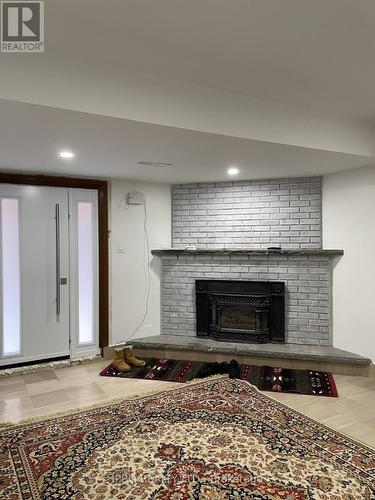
(155, 164)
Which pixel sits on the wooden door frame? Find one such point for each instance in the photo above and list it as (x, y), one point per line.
(101, 186)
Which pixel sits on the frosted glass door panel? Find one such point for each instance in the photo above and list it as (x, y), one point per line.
(85, 273)
(10, 272)
(83, 208)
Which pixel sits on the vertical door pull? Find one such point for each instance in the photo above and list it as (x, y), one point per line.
(58, 295)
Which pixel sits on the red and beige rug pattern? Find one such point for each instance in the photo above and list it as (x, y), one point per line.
(216, 439)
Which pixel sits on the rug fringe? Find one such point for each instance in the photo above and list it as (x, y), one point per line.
(114, 401)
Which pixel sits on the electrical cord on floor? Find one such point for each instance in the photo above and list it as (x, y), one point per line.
(147, 242)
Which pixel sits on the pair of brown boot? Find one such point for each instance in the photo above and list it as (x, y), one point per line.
(124, 360)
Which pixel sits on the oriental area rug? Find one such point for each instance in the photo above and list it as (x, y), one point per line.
(216, 439)
(266, 378)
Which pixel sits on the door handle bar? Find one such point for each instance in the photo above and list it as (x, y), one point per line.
(58, 272)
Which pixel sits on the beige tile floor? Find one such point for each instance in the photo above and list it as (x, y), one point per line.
(49, 390)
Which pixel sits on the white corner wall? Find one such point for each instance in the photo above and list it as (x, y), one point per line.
(128, 271)
(349, 223)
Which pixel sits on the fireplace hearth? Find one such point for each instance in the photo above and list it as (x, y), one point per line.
(240, 311)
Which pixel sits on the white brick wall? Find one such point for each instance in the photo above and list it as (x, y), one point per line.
(254, 214)
(307, 281)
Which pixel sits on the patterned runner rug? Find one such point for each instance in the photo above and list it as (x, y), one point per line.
(216, 439)
(265, 378)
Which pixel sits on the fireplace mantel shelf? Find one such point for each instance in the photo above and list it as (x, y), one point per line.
(246, 251)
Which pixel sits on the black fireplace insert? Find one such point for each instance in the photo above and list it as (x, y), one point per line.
(240, 311)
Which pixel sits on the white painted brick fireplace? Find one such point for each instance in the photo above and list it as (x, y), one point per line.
(307, 283)
(231, 225)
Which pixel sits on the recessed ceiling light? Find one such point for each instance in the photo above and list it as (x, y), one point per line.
(154, 164)
(66, 154)
(233, 170)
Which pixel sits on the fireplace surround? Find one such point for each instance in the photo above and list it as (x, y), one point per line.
(307, 274)
(240, 311)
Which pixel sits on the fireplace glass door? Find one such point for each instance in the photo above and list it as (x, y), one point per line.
(241, 318)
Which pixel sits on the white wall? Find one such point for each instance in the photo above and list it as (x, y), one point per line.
(128, 277)
(349, 223)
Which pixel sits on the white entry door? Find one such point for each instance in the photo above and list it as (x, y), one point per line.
(35, 280)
